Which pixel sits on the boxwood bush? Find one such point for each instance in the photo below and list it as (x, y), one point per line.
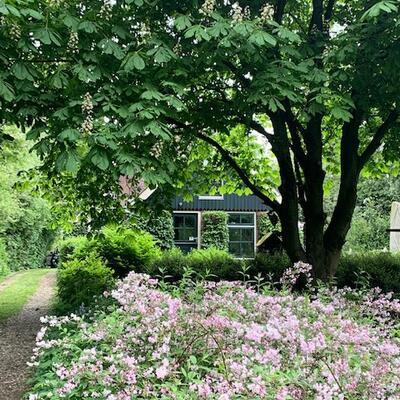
(79, 280)
(381, 269)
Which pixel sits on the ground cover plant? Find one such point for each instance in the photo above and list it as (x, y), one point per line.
(14, 296)
(223, 341)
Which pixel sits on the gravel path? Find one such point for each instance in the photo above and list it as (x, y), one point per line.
(17, 339)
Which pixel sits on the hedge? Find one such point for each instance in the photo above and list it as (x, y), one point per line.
(215, 231)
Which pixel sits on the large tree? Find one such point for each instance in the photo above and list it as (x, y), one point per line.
(131, 87)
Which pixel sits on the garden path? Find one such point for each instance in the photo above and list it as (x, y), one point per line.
(8, 280)
(17, 339)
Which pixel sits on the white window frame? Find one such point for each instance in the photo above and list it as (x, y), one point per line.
(209, 197)
(198, 223)
(254, 226)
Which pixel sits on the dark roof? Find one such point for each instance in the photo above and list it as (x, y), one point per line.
(231, 202)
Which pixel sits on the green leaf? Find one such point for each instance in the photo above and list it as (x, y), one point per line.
(6, 91)
(69, 134)
(43, 35)
(59, 80)
(151, 95)
(198, 32)
(87, 26)
(182, 22)
(71, 22)
(340, 113)
(68, 160)
(133, 61)
(376, 9)
(261, 38)
(99, 158)
(14, 11)
(31, 13)
(21, 71)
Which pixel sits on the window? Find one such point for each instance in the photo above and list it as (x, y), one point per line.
(185, 226)
(241, 234)
(207, 197)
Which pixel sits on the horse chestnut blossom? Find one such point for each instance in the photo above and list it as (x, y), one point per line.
(223, 340)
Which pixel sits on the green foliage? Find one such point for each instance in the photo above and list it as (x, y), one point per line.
(214, 261)
(122, 249)
(269, 265)
(4, 267)
(29, 238)
(70, 245)
(25, 218)
(368, 231)
(161, 226)
(264, 225)
(295, 73)
(170, 265)
(372, 213)
(215, 231)
(79, 280)
(211, 263)
(373, 269)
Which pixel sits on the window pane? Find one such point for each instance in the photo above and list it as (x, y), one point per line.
(190, 233)
(234, 234)
(247, 234)
(190, 220)
(178, 220)
(247, 219)
(247, 249)
(234, 219)
(234, 249)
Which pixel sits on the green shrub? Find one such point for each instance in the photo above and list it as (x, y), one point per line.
(80, 280)
(171, 263)
(122, 249)
(70, 245)
(271, 265)
(368, 231)
(375, 269)
(215, 261)
(161, 227)
(4, 268)
(215, 231)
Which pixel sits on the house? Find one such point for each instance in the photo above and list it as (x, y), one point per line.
(243, 214)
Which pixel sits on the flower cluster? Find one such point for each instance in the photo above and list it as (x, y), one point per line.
(106, 11)
(73, 42)
(15, 32)
(267, 13)
(221, 341)
(87, 110)
(292, 275)
(237, 13)
(208, 7)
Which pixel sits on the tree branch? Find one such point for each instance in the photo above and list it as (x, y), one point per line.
(378, 137)
(329, 10)
(317, 16)
(243, 176)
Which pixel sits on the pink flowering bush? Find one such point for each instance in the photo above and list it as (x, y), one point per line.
(222, 341)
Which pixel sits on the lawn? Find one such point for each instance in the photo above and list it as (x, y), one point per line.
(14, 296)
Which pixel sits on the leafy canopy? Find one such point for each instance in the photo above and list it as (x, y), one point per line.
(133, 86)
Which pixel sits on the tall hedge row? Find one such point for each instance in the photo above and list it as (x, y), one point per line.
(215, 231)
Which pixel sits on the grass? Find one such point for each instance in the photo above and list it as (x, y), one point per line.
(14, 296)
